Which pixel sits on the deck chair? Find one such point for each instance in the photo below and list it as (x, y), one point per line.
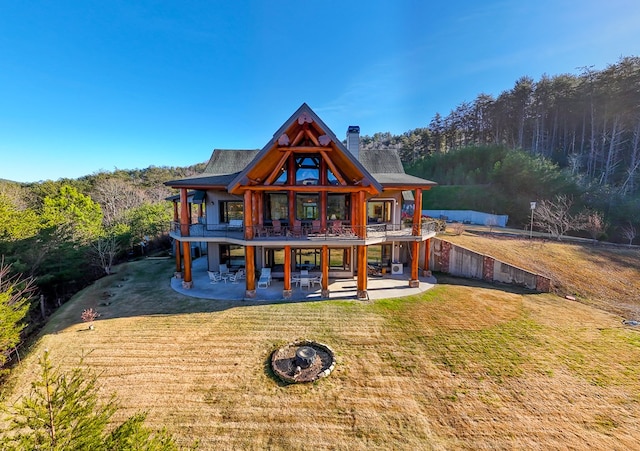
(240, 275)
(223, 268)
(265, 278)
(304, 272)
(296, 230)
(233, 278)
(277, 227)
(316, 227)
(214, 277)
(305, 282)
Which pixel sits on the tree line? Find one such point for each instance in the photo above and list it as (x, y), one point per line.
(62, 235)
(588, 123)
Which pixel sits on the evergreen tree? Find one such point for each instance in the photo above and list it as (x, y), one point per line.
(63, 412)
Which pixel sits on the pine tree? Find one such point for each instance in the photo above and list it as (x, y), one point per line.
(63, 412)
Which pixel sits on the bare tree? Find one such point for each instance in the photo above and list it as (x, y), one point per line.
(630, 232)
(116, 196)
(595, 224)
(555, 217)
(104, 251)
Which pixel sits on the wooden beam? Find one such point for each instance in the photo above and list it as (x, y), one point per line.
(427, 251)
(324, 259)
(362, 272)
(333, 168)
(417, 213)
(415, 251)
(184, 212)
(178, 258)
(298, 138)
(248, 215)
(274, 174)
(311, 136)
(304, 149)
(308, 188)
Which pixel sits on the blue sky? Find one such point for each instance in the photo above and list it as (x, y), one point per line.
(88, 85)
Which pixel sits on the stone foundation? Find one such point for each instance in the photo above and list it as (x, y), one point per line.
(187, 285)
(286, 294)
(325, 293)
(250, 294)
(177, 275)
(362, 295)
(414, 284)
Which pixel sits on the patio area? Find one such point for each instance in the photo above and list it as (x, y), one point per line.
(388, 286)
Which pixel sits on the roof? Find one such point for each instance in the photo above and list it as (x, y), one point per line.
(386, 167)
(227, 169)
(223, 166)
(304, 109)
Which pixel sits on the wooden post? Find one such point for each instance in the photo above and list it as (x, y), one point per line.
(250, 266)
(184, 213)
(324, 262)
(175, 211)
(414, 281)
(248, 215)
(187, 280)
(287, 292)
(362, 272)
(178, 273)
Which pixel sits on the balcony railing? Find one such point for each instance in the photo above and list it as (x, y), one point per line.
(344, 232)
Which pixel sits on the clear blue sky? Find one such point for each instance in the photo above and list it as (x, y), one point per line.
(97, 85)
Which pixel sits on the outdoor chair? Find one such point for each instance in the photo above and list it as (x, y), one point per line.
(296, 230)
(305, 282)
(214, 277)
(233, 278)
(316, 227)
(223, 268)
(240, 275)
(265, 278)
(276, 227)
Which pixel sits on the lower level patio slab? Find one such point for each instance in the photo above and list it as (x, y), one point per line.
(387, 286)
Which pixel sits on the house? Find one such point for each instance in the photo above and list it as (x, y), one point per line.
(304, 202)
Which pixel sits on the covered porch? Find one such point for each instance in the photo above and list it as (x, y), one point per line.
(388, 286)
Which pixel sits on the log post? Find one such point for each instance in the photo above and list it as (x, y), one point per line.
(324, 259)
(287, 292)
(187, 280)
(250, 265)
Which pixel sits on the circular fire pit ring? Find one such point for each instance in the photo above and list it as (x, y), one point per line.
(302, 361)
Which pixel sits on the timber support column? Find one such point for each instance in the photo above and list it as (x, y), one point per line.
(414, 281)
(361, 223)
(427, 256)
(185, 215)
(250, 265)
(178, 273)
(187, 281)
(287, 292)
(324, 259)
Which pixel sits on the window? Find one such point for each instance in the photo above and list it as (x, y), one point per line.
(338, 259)
(307, 259)
(276, 206)
(307, 206)
(307, 170)
(338, 206)
(380, 211)
(379, 255)
(232, 256)
(231, 210)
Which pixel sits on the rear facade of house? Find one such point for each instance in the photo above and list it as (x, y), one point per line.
(304, 202)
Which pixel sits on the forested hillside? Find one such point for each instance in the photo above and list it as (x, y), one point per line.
(588, 123)
(66, 233)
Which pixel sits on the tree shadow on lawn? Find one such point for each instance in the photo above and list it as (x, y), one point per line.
(142, 288)
(447, 279)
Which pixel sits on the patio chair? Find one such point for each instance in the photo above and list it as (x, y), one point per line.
(265, 278)
(305, 282)
(304, 272)
(296, 230)
(223, 268)
(240, 275)
(276, 227)
(214, 277)
(233, 278)
(316, 227)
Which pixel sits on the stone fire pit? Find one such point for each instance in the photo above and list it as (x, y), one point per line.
(302, 361)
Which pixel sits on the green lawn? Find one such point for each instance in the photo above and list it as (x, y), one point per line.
(463, 366)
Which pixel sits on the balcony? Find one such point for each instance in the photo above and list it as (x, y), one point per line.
(345, 233)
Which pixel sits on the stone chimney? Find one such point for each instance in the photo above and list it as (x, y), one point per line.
(353, 140)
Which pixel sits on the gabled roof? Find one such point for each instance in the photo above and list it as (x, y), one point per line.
(223, 166)
(344, 159)
(231, 169)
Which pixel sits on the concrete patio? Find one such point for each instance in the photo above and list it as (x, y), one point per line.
(388, 286)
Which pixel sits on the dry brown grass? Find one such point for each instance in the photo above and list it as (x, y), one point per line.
(607, 277)
(460, 367)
